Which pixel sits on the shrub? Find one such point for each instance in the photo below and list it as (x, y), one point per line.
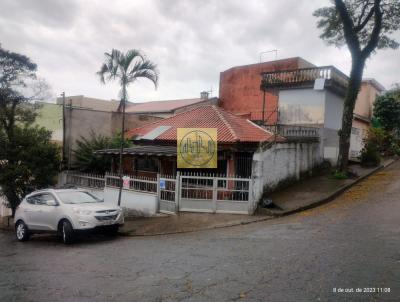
(85, 160)
(374, 144)
(387, 110)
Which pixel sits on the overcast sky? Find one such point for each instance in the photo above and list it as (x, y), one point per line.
(191, 41)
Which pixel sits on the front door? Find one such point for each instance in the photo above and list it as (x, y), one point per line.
(43, 216)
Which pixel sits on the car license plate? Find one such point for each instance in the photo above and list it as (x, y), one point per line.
(108, 222)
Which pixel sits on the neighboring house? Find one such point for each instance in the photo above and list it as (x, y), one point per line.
(296, 92)
(311, 97)
(83, 102)
(164, 109)
(50, 116)
(239, 89)
(82, 117)
(363, 111)
(155, 149)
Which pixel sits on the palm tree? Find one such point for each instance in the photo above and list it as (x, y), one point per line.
(126, 68)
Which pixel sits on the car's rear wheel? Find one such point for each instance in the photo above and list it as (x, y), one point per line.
(67, 232)
(21, 231)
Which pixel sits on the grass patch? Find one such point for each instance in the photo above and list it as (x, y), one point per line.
(340, 175)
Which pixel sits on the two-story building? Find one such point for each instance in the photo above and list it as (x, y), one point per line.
(294, 92)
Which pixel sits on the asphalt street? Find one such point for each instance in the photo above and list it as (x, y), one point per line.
(351, 246)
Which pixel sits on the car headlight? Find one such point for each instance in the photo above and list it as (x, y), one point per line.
(81, 212)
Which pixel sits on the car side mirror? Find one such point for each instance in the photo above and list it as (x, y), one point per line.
(52, 203)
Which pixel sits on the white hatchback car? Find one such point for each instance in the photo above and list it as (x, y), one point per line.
(65, 212)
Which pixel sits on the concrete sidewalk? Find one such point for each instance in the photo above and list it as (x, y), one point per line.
(314, 191)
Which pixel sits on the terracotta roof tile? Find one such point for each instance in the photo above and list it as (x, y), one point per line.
(231, 128)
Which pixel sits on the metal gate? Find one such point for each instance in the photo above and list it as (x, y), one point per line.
(213, 194)
(168, 194)
(205, 193)
(196, 194)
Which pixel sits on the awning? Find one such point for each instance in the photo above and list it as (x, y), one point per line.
(155, 150)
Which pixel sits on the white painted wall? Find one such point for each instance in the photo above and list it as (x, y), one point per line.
(333, 122)
(135, 203)
(281, 162)
(4, 210)
(333, 110)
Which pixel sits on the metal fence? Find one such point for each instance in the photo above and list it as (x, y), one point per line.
(304, 75)
(133, 183)
(194, 192)
(85, 180)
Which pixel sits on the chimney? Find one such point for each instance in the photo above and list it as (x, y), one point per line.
(204, 95)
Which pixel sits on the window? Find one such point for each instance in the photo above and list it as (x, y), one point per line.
(40, 199)
(77, 197)
(146, 164)
(31, 200)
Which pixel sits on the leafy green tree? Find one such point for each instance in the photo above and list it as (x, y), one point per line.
(27, 158)
(86, 160)
(126, 68)
(364, 26)
(387, 110)
(15, 72)
(32, 162)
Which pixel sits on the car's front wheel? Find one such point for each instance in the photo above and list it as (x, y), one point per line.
(67, 232)
(112, 230)
(21, 231)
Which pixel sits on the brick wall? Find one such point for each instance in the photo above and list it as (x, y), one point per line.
(240, 93)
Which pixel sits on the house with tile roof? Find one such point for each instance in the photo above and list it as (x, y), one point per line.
(155, 149)
(164, 109)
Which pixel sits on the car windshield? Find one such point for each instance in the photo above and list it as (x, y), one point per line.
(76, 197)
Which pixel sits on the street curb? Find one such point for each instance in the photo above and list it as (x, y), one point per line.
(227, 225)
(6, 228)
(333, 195)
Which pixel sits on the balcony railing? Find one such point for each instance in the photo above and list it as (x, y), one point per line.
(294, 131)
(334, 78)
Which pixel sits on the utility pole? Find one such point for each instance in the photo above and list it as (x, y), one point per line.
(69, 134)
(63, 134)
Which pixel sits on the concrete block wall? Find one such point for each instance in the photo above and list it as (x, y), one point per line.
(133, 203)
(283, 162)
(4, 210)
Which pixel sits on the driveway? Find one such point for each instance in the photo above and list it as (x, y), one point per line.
(350, 243)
